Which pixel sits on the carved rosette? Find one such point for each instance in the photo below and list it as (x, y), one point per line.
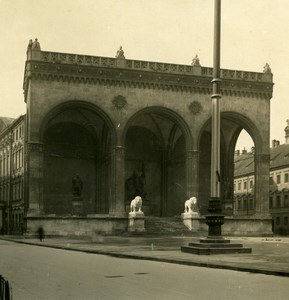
(195, 107)
(119, 102)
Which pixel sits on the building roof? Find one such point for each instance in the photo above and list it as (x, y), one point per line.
(5, 122)
(244, 164)
(279, 158)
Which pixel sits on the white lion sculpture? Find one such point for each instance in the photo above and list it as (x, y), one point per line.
(135, 204)
(191, 205)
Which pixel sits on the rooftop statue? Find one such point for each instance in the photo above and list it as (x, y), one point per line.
(120, 53)
(267, 68)
(29, 45)
(36, 45)
(196, 61)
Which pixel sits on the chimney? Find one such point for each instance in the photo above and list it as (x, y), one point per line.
(244, 151)
(237, 152)
(287, 132)
(253, 150)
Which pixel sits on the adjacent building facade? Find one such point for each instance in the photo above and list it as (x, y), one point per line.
(244, 184)
(12, 157)
(103, 130)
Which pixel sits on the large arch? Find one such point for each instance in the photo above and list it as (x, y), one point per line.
(78, 104)
(77, 138)
(232, 124)
(157, 141)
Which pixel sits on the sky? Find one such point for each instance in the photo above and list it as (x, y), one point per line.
(172, 31)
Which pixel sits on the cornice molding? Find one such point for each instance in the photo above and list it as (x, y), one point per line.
(109, 76)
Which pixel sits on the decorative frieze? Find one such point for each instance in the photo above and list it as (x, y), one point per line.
(64, 58)
(143, 74)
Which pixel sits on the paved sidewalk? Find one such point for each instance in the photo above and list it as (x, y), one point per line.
(269, 255)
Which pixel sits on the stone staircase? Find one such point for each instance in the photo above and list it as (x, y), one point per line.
(166, 226)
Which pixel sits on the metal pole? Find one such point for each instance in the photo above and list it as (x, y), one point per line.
(216, 96)
(215, 219)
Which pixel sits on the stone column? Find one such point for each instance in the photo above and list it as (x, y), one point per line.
(117, 188)
(262, 171)
(192, 173)
(35, 178)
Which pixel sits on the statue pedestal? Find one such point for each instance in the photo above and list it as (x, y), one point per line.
(77, 206)
(136, 222)
(191, 220)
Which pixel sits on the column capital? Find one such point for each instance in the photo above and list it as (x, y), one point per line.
(192, 153)
(262, 157)
(35, 146)
(118, 150)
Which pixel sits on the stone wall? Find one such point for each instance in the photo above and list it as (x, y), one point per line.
(85, 227)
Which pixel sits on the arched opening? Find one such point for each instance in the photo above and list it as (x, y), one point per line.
(244, 178)
(77, 141)
(232, 125)
(155, 163)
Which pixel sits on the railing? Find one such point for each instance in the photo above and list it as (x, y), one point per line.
(87, 60)
(5, 289)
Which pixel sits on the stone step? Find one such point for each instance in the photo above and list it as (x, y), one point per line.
(159, 225)
(208, 251)
(215, 245)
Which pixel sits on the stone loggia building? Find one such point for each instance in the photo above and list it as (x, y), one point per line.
(130, 127)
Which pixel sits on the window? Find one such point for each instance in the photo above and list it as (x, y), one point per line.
(286, 221)
(239, 204)
(239, 186)
(278, 179)
(271, 180)
(245, 185)
(278, 201)
(251, 184)
(271, 202)
(286, 201)
(278, 221)
(251, 204)
(245, 207)
(286, 177)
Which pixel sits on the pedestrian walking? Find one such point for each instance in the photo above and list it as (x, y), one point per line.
(40, 233)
